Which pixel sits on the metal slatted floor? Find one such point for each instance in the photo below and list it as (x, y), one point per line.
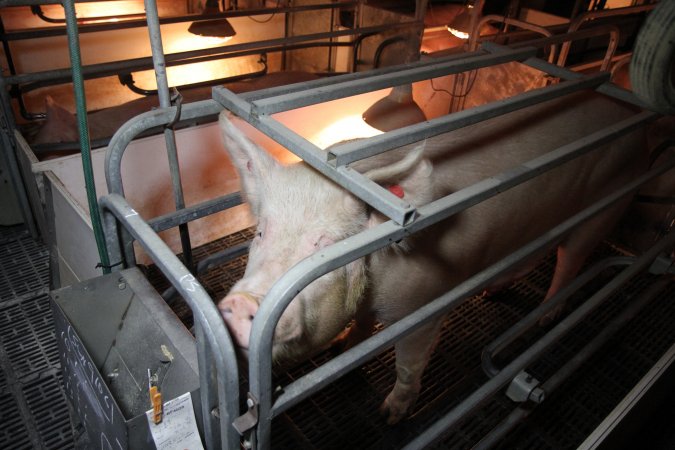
(34, 412)
(345, 414)
(33, 409)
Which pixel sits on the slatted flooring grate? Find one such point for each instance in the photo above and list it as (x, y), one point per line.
(33, 409)
(34, 412)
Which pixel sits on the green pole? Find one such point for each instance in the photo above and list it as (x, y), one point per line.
(81, 107)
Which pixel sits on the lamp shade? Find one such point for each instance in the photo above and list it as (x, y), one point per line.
(461, 25)
(220, 28)
(396, 110)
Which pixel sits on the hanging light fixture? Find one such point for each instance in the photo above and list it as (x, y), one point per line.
(461, 25)
(214, 28)
(396, 110)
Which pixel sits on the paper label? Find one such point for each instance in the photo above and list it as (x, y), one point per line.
(178, 428)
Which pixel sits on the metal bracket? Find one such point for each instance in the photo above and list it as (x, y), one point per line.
(662, 265)
(525, 387)
(249, 420)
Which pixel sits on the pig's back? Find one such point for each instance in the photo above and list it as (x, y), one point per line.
(489, 231)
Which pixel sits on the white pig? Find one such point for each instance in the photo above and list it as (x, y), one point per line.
(299, 212)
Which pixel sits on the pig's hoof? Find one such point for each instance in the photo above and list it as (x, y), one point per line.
(550, 316)
(393, 411)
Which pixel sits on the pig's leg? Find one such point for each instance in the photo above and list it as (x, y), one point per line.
(412, 356)
(573, 252)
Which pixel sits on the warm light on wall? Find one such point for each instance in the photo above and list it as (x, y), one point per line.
(347, 128)
(109, 10)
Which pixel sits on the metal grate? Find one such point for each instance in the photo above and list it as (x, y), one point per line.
(27, 335)
(13, 432)
(33, 410)
(345, 414)
(24, 264)
(49, 409)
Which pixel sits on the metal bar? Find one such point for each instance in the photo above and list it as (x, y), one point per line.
(349, 152)
(204, 310)
(560, 72)
(564, 326)
(379, 198)
(8, 150)
(322, 82)
(652, 387)
(207, 390)
(368, 241)
(417, 72)
(494, 18)
(590, 15)
(4, 3)
(140, 23)
(211, 261)
(194, 56)
(530, 320)
(370, 192)
(169, 133)
(520, 413)
(195, 212)
(138, 124)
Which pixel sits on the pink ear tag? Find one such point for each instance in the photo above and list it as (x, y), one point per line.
(396, 189)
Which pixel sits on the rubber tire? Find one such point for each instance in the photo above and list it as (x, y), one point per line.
(652, 70)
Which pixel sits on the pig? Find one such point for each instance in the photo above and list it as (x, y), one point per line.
(300, 212)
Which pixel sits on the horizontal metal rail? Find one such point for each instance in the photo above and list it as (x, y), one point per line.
(194, 212)
(368, 241)
(609, 89)
(550, 385)
(564, 326)
(138, 124)
(195, 56)
(411, 73)
(211, 261)
(219, 349)
(324, 82)
(597, 15)
(140, 23)
(370, 192)
(349, 152)
(531, 320)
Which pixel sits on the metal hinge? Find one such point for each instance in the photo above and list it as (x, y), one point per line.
(249, 420)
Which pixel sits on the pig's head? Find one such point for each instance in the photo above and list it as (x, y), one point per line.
(298, 212)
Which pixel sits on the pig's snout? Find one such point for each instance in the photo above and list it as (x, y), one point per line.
(238, 310)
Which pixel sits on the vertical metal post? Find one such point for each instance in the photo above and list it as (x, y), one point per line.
(207, 389)
(83, 129)
(169, 135)
(8, 150)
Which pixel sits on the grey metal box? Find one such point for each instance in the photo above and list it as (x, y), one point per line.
(110, 330)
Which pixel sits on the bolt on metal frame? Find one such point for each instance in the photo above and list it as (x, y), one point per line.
(405, 220)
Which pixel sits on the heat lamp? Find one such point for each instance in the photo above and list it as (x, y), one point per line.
(213, 28)
(396, 110)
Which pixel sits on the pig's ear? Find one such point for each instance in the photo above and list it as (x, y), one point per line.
(410, 174)
(252, 162)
